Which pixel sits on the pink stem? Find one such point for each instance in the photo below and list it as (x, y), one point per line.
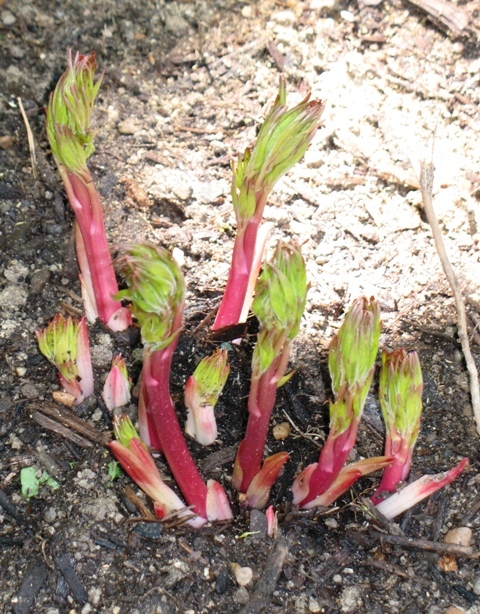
(161, 412)
(260, 406)
(397, 471)
(332, 459)
(245, 251)
(86, 205)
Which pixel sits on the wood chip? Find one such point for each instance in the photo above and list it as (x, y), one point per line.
(73, 581)
(69, 419)
(6, 141)
(35, 575)
(444, 14)
(59, 429)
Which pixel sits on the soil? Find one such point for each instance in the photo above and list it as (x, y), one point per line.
(185, 87)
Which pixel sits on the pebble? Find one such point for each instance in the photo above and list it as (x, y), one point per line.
(285, 18)
(281, 431)
(461, 536)
(182, 192)
(64, 398)
(128, 126)
(50, 515)
(223, 581)
(17, 52)
(38, 280)
(8, 18)
(243, 575)
(313, 605)
(454, 610)
(29, 391)
(476, 585)
(331, 523)
(240, 595)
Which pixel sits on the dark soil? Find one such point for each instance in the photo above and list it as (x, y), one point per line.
(185, 87)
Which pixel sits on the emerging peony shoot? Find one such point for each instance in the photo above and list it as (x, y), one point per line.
(137, 462)
(65, 344)
(417, 491)
(351, 363)
(282, 141)
(116, 390)
(68, 131)
(279, 303)
(400, 394)
(156, 289)
(202, 391)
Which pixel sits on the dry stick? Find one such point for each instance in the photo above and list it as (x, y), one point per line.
(31, 142)
(267, 583)
(425, 544)
(397, 570)
(426, 183)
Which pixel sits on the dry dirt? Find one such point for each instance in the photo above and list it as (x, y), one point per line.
(186, 85)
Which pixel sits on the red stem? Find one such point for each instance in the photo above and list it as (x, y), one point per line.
(260, 406)
(85, 203)
(332, 459)
(161, 413)
(397, 471)
(243, 258)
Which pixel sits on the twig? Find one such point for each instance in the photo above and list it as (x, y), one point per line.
(397, 570)
(31, 142)
(426, 183)
(59, 429)
(261, 596)
(301, 433)
(444, 14)
(391, 527)
(69, 419)
(425, 544)
(71, 577)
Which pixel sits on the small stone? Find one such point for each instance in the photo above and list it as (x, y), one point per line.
(64, 398)
(247, 12)
(281, 431)
(223, 581)
(21, 371)
(94, 595)
(50, 515)
(286, 18)
(331, 523)
(6, 141)
(241, 595)
(337, 579)
(461, 536)
(182, 192)
(313, 605)
(179, 256)
(243, 575)
(454, 610)
(38, 280)
(476, 585)
(347, 16)
(17, 52)
(128, 126)
(29, 391)
(8, 18)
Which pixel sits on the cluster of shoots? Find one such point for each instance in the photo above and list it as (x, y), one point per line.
(351, 363)
(155, 292)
